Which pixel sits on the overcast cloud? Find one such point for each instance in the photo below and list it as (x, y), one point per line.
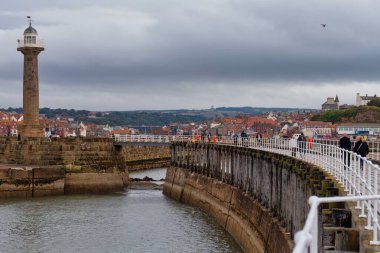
(126, 55)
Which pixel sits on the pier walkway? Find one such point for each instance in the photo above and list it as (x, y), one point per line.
(358, 176)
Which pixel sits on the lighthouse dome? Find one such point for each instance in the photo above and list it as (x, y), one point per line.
(30, 30)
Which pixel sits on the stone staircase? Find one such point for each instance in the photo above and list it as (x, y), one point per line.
(337, 232)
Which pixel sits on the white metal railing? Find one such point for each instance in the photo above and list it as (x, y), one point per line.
(307, 240)
(374, 147)
(150, 138)
(357, 175)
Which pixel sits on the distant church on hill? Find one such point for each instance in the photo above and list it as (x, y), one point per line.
(331, 104)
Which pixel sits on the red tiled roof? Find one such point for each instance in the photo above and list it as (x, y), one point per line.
(121, 131)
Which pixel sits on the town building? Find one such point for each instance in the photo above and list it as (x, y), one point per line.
(76, 129)
(363, 100)
(8, 128)
(165, 130)
(331, 104)
(318, 129)
(366, 129)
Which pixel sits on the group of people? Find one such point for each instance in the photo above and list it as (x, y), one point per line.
(361, 148)
(207, 137)
(204, 138)
(300, 143)
(244, 138)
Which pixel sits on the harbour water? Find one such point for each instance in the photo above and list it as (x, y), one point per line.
(131, 221)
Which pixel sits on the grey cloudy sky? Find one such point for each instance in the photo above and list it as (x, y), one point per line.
(127, 55)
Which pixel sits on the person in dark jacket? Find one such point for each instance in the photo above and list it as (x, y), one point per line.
(361, 148)
(244, 138)
(203, 137)
(236, 139)
(345, 143)
(301, 143)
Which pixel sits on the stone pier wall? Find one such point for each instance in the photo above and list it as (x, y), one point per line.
(251, 224)
(259, 197)
(31, 182)
(146, 157)
(90, 154)
(94, 183)
(89, 165)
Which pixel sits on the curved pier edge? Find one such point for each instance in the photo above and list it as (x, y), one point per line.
(249, 223)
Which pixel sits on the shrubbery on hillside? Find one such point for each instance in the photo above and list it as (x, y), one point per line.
(374, 102)
(350, 115)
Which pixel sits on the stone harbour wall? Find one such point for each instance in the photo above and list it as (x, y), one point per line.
(91, 154)
(249, 223)
(95, 183)
(146, 157)
(86, 165)
(259, 197)
(28, 181)
(31, 182)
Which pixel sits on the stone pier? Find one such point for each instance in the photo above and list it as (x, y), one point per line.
(261, 198)
(89, 165)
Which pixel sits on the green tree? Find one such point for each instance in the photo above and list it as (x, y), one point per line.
(374, 102)
(337, 115)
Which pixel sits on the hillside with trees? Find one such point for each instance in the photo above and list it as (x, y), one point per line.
(362, 114)
(374, 102)
(153, 117)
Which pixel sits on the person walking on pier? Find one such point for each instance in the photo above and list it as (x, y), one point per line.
(345, 144)
(244, 138)
(293, 145)
(301, 143)
(259, 136)
(361, 148)
(309, 143)
(236, 138)
(203, 135)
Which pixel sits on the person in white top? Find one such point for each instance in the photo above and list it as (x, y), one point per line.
(293, 145)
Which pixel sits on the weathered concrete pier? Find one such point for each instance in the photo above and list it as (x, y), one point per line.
(261, 198)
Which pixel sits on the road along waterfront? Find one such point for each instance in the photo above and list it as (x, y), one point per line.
(132, 221)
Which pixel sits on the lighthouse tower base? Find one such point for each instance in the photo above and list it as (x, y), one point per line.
(31, 131)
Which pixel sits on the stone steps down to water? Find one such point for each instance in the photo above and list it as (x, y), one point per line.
(337, 233)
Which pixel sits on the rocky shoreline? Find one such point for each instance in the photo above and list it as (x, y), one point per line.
(146, 183)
